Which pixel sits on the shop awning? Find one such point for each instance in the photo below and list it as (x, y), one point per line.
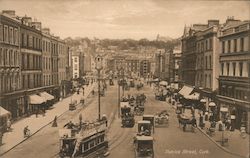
(224, 109)
(185, 91)
(36, 99)
(47, 96)
(211, 104)
(164, 83)
(194, 96)
(4, 113)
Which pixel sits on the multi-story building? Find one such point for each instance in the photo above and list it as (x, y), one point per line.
(234, 77)
(188, 43)
(47, 57)
(132, 65)
(62, 67)
(176, 67)
(31, 61)
(145, 68)
(77, 63)
(28, 64)
(164, 64)
(207, 60)
(10, 66)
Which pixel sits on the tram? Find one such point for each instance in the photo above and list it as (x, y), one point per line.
(90, 142)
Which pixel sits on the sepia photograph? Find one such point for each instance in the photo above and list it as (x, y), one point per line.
(124, 78)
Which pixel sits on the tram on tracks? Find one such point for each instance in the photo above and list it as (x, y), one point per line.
(89, 142)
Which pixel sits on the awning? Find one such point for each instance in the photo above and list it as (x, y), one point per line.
(4, 113)
(164, 83)
(36, 99)
(203, 100)
(185, 91)
(211, 104)
(223, 109)
(194, 96)
(47, 96)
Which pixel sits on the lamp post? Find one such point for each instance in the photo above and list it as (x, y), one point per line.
(119, 68)
(98, 67)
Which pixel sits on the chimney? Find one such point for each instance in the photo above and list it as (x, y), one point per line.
(213, 22)
(11, 13)
(46, 30)
(37, 25)
(27, 21)
(231, 21)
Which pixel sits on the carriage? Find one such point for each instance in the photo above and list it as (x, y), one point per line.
(143, 146)
(72, 105)
(139, 86)
(127, 115)
(111, 83)
(185, 120)
(162, 119)
(150, 118)
(144, 128)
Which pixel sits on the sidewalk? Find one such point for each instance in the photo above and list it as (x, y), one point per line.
(236, 145)
(15, 137)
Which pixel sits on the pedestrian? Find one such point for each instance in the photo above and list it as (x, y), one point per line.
(8, 124)
(80, 118)
(1, 137)
(37, 111)
(55, 122)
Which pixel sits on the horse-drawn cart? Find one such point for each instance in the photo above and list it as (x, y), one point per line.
(185, 120)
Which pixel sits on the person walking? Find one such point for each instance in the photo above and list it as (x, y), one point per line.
(55, 122)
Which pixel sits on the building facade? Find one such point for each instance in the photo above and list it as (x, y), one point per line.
(176, 68)
(28, 64)
(145, 68)
(207, 60)
(10, 65)
(234, 77)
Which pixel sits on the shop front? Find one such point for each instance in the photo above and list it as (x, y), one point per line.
(36, 103)
(5, 115)
(15, 103)
(235, 110)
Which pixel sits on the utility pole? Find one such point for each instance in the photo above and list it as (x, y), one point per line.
(99, 68)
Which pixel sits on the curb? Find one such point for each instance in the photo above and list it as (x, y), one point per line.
(211, 139)
(36, 131)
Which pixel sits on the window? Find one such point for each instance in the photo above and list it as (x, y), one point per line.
(11, 35)
(1, 56)
(248, 69)
(28, 61)
(240, 68)
(205, 81)
(33, 42)
(211, 44)
(27, 40)
(22, 39)
(235, 45)
(234, 68)
(16, 37)
(6, 34)
(206, 45)
(1, 33)
(222, 69)
(206, 62)
(223, 46)
(228, 65)
(242, 44)
(209, 81)
(210, 62)
(229, 46)
(75, 59)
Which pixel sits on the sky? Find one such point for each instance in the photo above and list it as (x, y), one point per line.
(133, 19)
